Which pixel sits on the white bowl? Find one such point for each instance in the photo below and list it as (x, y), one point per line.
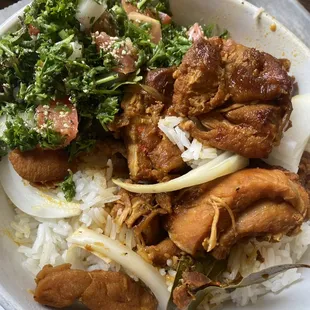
(237, 16)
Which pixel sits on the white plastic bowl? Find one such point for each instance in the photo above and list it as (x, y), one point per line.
(237, 16)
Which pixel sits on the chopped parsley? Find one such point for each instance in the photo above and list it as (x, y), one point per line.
(37, 65)
(68, 187)
(79, 146)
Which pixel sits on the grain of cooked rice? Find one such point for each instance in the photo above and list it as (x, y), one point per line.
(193, 152)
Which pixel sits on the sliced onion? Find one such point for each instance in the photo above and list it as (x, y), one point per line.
(89, 11)
(103, 246)
(295, 140)
(224, 164)
(2, 125)
(32, 200)
(156, 26)
(76, 50)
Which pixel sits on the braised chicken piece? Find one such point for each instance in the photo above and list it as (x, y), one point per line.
(61, 286)
(162, 81)
(263, 218)
(191, 281)
(304, 171)
(247, 91)
(40, 166)
(248, 203)
(151, 155)
(160, 253)
(249, 130)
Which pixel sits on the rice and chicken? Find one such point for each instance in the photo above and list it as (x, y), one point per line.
(222, 101)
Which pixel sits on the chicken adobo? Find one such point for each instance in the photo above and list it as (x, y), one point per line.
(151, 155)
(212, 217)
(240, 96)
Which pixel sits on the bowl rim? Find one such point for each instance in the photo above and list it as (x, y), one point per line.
(7, 25)
(7, 301)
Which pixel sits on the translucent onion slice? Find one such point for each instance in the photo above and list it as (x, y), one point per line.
(224, 164)
(2, 125)
(89, 11)
(32, 200)
(103, 246)
(295, 140)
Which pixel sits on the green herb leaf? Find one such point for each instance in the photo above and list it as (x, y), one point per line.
(80, 145)
(68, 187)
(107, 110)
(18, 135)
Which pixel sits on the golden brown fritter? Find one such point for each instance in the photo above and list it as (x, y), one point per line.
(40, 166)
(61, 286)
(206, 213)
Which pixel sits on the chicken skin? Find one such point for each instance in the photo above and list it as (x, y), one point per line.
(216, 215)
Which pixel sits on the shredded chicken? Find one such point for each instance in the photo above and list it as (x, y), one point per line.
(160, 253)
(141, 212)
(151, 155)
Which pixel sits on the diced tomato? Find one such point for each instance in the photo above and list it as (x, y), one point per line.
(195, 32)
(128, 7)
(156, 32)
(165, 18)
(125, 55)
(62, 116)
(33, 31)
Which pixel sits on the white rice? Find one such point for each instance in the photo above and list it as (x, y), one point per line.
(44, 241)
(193, 152)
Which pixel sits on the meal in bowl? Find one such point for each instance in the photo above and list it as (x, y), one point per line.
(146, 160)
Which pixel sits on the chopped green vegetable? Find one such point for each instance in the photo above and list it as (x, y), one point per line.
(3, 148)
(51, 57)
(107, 110)
(50, 139)
(80, 145)
(68, 187)
(18, 135)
